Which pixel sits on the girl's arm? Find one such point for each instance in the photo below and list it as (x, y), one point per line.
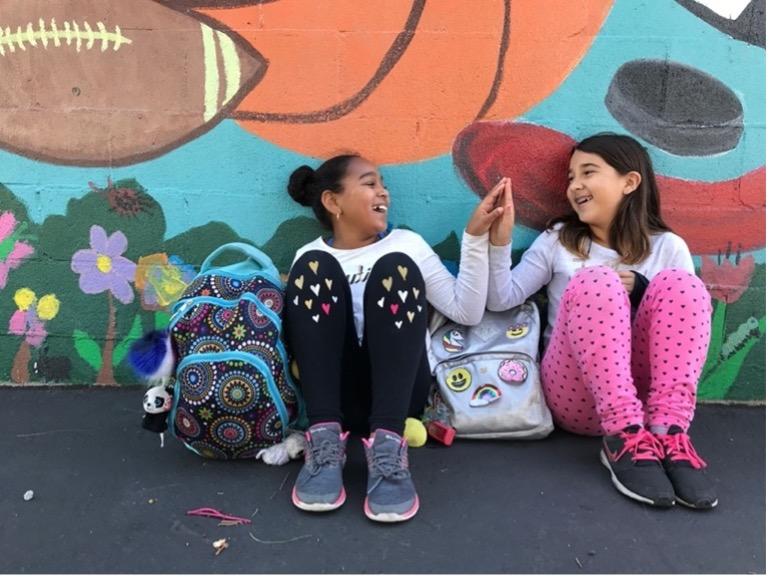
(509, 288)
(461, 299)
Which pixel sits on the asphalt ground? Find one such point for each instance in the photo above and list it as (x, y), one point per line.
(108, 499)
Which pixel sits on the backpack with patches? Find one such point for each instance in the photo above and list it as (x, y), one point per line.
(487, 377)
(234, 394)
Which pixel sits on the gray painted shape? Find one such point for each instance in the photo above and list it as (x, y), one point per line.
(748, 27)
(676, 107)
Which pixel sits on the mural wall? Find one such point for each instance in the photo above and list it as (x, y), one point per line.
(135, 137)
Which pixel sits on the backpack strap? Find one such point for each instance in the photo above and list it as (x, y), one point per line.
(258, 259)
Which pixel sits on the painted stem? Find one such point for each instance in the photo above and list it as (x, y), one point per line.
(717, 337)
(20, 368)
(106, 375)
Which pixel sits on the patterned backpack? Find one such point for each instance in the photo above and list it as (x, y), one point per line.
(487, 377)
(234, 393)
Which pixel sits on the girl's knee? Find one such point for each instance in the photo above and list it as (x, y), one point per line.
(674, 279)
(315, 262)
(680, 287)
(595, 283)
(401, 264)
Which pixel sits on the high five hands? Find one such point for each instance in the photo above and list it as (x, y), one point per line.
(495, 214)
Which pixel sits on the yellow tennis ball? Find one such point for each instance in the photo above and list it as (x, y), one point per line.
(415, 433)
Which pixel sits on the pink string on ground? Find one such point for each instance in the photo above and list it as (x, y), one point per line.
(209, 512)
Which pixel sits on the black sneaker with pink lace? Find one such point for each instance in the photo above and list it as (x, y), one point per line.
(686, 470)
(633, 458)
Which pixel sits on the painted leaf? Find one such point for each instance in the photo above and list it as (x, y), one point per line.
(161, 320)
(88, 349)
(717, 384)
(122, 348)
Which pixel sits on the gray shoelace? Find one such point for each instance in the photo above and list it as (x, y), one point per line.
(326, 453)
(388, 465)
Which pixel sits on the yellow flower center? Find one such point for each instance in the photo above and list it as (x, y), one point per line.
(104, 263)
(23, 298)
(48, 307)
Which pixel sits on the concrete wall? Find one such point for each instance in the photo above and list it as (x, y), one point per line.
(137, 136)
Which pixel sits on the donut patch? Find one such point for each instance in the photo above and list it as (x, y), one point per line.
(512, 371)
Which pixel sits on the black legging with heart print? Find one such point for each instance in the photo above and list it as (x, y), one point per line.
(386, 377)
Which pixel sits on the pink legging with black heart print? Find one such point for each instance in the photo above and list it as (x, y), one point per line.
(603, 371)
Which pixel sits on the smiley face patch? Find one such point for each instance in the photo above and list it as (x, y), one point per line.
(517, 331)
(458, 379)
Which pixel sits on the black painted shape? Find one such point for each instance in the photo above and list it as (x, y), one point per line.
(676, 107)
(748, 27)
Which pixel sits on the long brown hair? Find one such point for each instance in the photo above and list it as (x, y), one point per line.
(638, 214)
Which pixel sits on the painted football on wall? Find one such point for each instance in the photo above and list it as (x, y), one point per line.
(113, 82)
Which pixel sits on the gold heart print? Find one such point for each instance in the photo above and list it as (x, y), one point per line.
(300, 281)
(387, 283)
(403, 271)
(309, 303)
(313, 264)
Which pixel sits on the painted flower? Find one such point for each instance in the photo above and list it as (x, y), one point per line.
(12, 250)
(161, 280)
(724, 280)
(239, 331)
(28, 320)
(102, 267)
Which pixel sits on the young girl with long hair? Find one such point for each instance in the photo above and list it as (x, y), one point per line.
(628, 321)
(356, 324)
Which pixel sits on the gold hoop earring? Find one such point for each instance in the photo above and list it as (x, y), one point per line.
(338, 215)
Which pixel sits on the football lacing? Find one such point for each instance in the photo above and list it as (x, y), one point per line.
(71, 31)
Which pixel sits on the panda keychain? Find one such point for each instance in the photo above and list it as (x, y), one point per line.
(157, 403)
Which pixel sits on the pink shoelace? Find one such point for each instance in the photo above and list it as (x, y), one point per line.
(642, 445)
(678, 447)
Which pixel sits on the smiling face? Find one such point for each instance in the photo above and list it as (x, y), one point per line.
(596, 190)
(363, 202)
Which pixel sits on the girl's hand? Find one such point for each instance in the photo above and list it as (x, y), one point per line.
(486, 212)
(501, 230)
(628, 278)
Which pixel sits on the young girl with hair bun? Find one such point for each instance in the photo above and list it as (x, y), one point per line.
(628, 321)
(356, 322)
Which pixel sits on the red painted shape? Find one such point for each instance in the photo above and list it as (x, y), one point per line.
(705, 214)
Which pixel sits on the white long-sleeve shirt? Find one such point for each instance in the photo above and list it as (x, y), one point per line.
(548, 262)
(462, 299)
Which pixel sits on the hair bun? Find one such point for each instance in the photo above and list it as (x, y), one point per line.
(298, 185)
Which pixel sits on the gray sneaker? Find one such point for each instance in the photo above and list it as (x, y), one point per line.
(319, 484)
(390, 493)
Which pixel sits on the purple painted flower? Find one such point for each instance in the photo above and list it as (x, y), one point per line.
(103, 268)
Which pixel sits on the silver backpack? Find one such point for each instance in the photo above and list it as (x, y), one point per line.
(487, 377)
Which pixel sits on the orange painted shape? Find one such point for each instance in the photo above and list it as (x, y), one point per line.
(440, 82)
(320, 53)
(547, 41)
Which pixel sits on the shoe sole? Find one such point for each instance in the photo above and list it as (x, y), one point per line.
(626, 491)
(317, 507)
(693, 506)
(391, 517)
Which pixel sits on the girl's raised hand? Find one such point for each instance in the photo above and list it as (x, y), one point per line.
(486, 212)
(501, 230)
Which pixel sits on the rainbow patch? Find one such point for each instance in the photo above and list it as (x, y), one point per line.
(485, 395)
